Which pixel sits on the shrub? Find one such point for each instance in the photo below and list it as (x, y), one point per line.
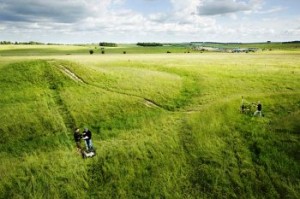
(149, 44)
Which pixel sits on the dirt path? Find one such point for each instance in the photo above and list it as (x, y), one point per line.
(70, 74)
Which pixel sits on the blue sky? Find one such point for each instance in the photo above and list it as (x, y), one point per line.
(147, 7)
(130, 21)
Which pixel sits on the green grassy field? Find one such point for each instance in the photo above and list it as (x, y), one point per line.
(164, 125)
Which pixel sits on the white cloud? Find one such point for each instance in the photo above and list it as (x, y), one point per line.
(67, 11)
(185, 7)
(189, 20)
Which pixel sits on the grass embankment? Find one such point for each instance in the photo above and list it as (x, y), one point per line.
(165, 126)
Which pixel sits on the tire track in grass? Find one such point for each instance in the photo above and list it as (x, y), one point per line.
(63, 110)
(68, 119)
(70, 74)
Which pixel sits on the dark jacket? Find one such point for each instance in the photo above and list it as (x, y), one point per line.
(87, 134)
(259, 107)
(77, 136)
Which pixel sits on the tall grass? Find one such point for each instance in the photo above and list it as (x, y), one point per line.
(239, 152)
(164, 126)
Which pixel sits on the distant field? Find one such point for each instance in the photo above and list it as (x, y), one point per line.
(37, 50)
(32, 50)
(164, 125)
(263, 46)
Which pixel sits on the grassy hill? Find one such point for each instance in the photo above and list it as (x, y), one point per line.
(164, 126)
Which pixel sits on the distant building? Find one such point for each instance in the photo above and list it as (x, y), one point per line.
(244, 50)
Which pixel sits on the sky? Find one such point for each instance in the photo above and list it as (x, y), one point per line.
(130, 21)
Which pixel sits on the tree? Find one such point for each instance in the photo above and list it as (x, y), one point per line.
(149, 44)
(108, 44)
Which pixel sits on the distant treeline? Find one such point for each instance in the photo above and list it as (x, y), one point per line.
(149, 44)
(22, 43)
(239, 43)
(26, 43)
(227, 43)
(291, 42)
(108, 44)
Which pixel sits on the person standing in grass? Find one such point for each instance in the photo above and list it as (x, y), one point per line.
(77, 138)
(87, 136)
(243, 107)
(259, 108)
